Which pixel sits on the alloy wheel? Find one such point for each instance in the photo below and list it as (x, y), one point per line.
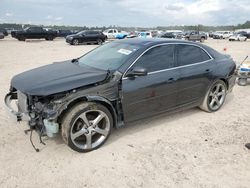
(90, 129)
(217, 96)
(75, 42)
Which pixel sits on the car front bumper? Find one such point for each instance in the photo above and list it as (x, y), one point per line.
(19, 115)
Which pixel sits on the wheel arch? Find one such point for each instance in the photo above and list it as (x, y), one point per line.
(97, 99)
(225, 81)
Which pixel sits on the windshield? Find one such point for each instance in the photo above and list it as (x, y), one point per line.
(81, 32)
(109, 56)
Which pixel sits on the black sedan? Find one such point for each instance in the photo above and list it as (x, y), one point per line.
(120, 82)
(96, 37)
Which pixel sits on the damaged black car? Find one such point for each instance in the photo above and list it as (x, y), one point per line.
(119, 82)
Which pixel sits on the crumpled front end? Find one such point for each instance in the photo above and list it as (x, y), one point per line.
(39, 112)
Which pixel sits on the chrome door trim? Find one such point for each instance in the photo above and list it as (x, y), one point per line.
(164, 44)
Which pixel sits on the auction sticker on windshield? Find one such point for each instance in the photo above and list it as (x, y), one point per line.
(124, 51)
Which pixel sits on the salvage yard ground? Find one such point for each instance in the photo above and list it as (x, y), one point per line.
(189, 149)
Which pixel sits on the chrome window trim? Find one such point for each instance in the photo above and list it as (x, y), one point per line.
(163, 70)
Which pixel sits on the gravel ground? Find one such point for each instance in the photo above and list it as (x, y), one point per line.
(188, 149)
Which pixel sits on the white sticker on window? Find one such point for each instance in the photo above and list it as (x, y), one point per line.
(124, 51)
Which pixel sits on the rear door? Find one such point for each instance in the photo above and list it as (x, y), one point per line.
(195, 66)
(156, 92)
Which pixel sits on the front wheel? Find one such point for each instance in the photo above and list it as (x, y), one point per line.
(215, 97)
(75, 42)
(202, 40)
(86, 126)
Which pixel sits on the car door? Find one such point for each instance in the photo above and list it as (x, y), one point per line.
(84, 37)
(93, 36)
(195, 66)
(194, 35)
(143, 96)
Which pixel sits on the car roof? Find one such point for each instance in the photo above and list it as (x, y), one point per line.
(146, 42)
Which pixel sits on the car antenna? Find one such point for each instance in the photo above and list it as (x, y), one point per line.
(244, 60)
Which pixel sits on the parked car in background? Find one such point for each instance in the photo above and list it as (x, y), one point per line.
(244, 33)
(93, 37)
(4, 31)
(115, 34)
(211, 34)
(132, 34)
(222, 34)
(237, 37)
(1, 35)
(145, 34)
(120, 82)
(196, 36)
(64, 33)
(169, 35)
(34, 33)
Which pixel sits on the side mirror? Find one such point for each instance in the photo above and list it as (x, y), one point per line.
(137, 71)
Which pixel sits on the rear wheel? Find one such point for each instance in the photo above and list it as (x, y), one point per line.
(215, 97)
(87, 126)
(21, 38)
(202, 39)
(99, 41)
(49, 37)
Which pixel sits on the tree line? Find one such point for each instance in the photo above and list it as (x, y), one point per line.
(245, 25)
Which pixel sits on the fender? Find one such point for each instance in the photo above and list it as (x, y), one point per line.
(91, 98)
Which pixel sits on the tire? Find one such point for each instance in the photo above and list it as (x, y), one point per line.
(215, 94)
(202, 39)
(49, 38)
(21, 39)
(75, 42)
(79, 127)
(242, 81)
(99, 41)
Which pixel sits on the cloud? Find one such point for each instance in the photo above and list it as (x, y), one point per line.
(128, 12)
(58, 18)
(51, 17)
(8, 14)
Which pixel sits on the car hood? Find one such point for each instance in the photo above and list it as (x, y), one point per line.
(56, 78)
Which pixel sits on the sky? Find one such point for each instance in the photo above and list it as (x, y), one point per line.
(140, 13)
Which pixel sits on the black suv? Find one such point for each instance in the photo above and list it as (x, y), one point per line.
(95, 37)
(34, 33)
(4, 31)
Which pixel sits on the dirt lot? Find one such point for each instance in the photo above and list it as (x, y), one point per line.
(188, 149)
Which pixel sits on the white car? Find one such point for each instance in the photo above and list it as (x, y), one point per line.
(237, 37)
(222, 34)
(145, 34)
(115, 34)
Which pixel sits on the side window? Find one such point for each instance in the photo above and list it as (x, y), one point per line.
(110, 31)
(158, 58)
(188, 54)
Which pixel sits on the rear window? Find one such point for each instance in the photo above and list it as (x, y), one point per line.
(189, 54)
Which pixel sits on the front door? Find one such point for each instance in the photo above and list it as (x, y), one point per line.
(143, 96)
